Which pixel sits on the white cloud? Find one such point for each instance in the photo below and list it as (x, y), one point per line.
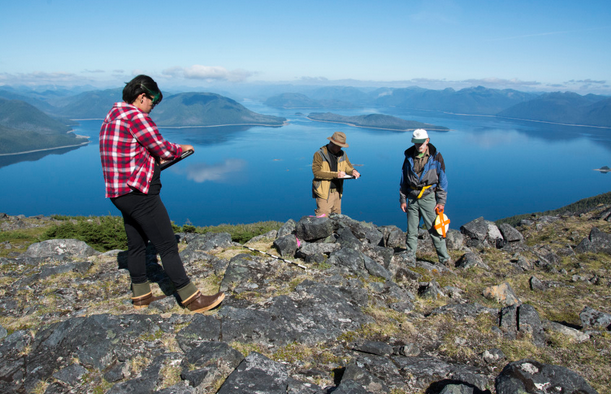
(588, 81)
(202, 172)
(504, 83)
(207, 73)
(41, 78)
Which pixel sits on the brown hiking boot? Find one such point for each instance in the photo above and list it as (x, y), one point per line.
(144, 301)
(201, 303)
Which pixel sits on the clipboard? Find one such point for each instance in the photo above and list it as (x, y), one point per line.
(169, 164)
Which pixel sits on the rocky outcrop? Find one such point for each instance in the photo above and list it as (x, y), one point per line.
(364, 316)
(528, 376)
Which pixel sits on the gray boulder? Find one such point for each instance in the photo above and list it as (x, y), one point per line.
(210, 241)
(494, 235)
(532, 377)
(524, 318)
(350, 259)
(530, 322)
(368, 382)
(510, 234)
(201, 329)
(380, 254)
(392, 237)
(591, 318)
(570, 332)
(287, 228)
(313, 228)
(347, 239)
(471, 260)
(374, 347)
(286, 245)
(270, 235)
(455, 240)
(209, 362)
(71, 374)
(256, 374)
(430, 290)
(60, 247)
(476, 229)
(597, 241)
(375, 269)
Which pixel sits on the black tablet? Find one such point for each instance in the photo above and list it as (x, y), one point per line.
(168, 164)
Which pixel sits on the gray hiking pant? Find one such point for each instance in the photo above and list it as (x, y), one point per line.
(425, 208)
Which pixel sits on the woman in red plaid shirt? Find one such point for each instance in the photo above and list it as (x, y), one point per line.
(131, 150)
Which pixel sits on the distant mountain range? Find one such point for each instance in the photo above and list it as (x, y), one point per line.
(377, 121)
(206, 109)
(298, 100)
(25, 128)
(569, 108)
(565, 108)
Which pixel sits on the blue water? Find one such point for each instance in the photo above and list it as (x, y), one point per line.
(496, 168)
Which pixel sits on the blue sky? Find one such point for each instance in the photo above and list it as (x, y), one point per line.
(525, 45)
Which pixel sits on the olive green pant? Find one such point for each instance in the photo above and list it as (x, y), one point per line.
(425, 208)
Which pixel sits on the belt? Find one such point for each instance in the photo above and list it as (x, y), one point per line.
(421, 191)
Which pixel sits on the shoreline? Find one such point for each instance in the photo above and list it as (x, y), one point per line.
(224, 125)
(286, 122)
(44, 149)
(509, 118)
(372, 127)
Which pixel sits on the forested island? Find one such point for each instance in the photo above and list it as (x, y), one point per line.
(208, 109)
(375, 121)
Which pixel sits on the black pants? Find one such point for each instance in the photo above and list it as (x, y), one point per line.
(146, 218)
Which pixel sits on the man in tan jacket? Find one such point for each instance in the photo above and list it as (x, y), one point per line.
(331, 166)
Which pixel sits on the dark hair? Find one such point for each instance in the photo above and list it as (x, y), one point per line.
(142, 84)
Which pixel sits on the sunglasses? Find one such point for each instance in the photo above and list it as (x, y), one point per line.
(155, 97)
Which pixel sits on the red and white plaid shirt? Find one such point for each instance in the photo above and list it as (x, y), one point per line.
(129, 144)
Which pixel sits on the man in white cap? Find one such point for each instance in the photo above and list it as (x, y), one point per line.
(424, 187)
(330, 166)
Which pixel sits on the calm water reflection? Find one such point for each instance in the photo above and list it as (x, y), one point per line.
(496, 168)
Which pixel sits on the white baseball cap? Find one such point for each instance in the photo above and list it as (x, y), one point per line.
(419, 136)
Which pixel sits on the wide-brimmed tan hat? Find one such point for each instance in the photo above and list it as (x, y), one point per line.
(338, 138)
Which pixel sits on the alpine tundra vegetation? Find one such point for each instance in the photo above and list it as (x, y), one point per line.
(317, 305)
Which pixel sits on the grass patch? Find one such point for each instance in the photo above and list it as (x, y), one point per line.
(580, 206)
(239, 232)
(102, 233)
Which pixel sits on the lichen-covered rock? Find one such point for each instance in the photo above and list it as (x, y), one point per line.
(256, 374)
(476, 229)
(510, 234)
(210, 241)
(286, 246)
(60, 247)
(455, 240)
(287, 228)
(471, 260)
(532, 377)
(502, 293)
(313, 228)
(591, 318)
(392, 237)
